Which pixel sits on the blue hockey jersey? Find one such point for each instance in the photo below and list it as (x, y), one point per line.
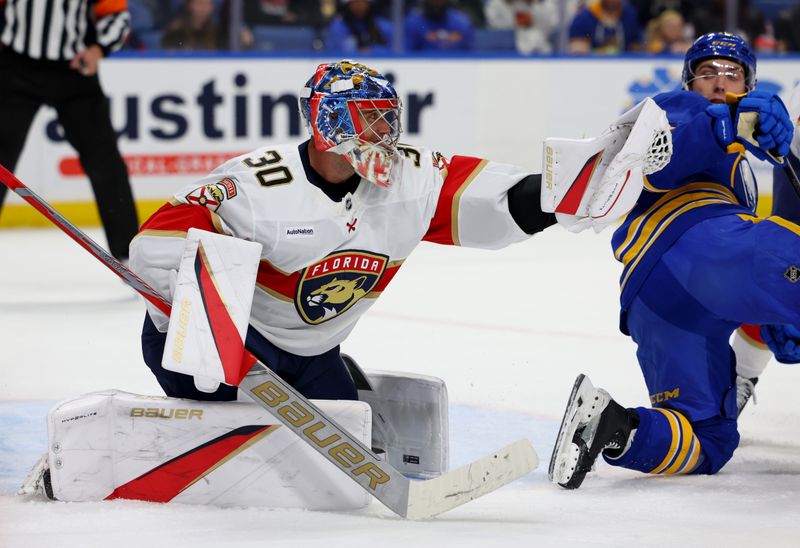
(701, 181)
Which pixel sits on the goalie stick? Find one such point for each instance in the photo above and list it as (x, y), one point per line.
(412, 499)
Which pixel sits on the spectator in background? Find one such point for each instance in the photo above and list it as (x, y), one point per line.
(667, 34)
(709, 16)
(194, 28)
(268, 12)
(438, 26)
(647, 10)
(474, 9)
(357, 29)
(787, 29)
(605, 26)
(533, 22)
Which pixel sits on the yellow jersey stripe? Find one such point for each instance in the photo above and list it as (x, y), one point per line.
(694, 457)
(687, 436)
(735, 165)
(673, 424)
(651, 238)
(664, 202)
(788, 225)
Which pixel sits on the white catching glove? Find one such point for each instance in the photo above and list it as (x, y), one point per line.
(594, 182)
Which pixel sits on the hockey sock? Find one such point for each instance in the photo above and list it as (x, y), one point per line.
(664, 444)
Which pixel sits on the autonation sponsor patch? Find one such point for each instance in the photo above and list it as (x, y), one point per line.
(294, 232)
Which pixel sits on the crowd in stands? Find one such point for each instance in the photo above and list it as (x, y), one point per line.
(525, 26)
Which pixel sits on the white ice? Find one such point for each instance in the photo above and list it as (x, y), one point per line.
(508, 331)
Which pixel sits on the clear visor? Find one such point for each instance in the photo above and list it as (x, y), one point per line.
(377, 121)
(719, 69)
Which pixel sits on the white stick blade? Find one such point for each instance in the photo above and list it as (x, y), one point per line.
(434, 496)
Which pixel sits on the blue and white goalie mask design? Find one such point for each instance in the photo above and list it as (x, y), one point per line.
(354, 111)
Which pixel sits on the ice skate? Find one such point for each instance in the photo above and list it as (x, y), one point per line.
(745, 390)
(592, 422)
(38, 480)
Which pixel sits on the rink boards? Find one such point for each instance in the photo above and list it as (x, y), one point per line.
(177, 118)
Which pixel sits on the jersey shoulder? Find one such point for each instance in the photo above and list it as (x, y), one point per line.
(681, 104)
(260, 180)
(420, 169)
(271, 165)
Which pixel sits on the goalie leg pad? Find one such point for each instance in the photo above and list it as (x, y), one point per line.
(410, 419)
(113, 444)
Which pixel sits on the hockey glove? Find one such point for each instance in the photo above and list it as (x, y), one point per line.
(784, 341)
(594, 182)
(721, 124)
(764, 126)
(794, 112)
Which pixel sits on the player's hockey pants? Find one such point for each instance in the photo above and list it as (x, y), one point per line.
(720, 273)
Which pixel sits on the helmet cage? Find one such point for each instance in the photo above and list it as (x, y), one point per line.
(336, 120)
(354, 111)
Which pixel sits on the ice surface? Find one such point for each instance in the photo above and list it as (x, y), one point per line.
(508, 330)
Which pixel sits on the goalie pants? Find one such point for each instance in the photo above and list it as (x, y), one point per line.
(323, 377)
(27, 84)
(720, 273)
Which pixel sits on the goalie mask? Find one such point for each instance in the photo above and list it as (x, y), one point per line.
(721, 46)
(354, 111)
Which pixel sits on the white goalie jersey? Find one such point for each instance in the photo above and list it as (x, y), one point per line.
(324, 262)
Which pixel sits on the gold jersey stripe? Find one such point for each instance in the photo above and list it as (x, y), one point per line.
(457, 199)
(633, 229)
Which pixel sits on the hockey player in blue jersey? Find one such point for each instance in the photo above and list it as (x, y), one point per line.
(697, 263)
(752, 354)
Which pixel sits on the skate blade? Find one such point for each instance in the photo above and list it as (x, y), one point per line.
(566, 453)
(33, 484)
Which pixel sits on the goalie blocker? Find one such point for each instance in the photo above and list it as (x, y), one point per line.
(116, 445)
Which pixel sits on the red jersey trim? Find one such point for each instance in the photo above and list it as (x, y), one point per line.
(176, 218)
(283, 285)
(752, 334)
(444, 225)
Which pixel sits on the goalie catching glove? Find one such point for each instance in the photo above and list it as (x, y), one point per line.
(594, 182)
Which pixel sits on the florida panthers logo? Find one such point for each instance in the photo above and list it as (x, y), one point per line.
(336, 283)
(212, 195)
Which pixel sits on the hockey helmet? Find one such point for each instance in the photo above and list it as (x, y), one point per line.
(722, 45)
(353, 110)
